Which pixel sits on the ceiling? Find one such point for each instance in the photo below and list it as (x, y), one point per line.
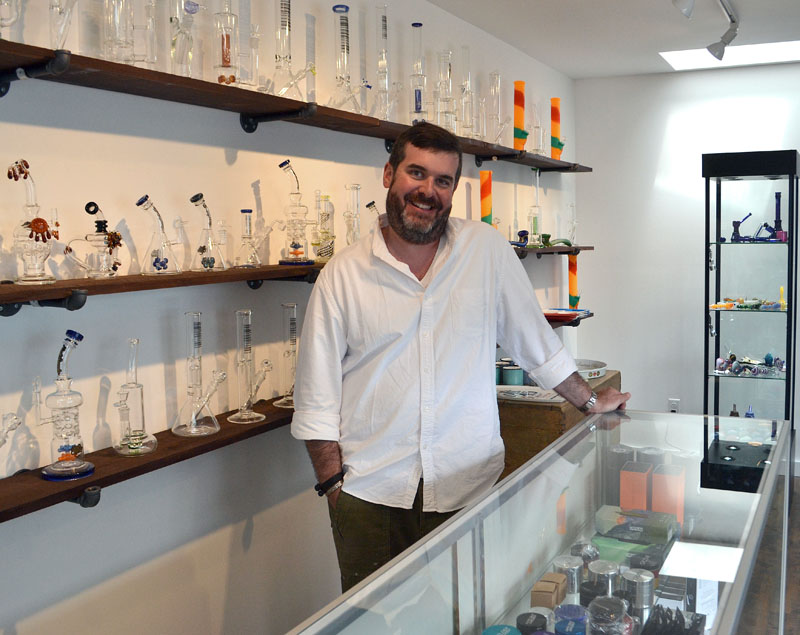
(606, 38)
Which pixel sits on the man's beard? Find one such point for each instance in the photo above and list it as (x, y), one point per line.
(418, 233)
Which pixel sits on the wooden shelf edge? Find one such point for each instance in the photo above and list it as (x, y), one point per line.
(575, 322)
(91, 72)
(11, 293)
(28, 492)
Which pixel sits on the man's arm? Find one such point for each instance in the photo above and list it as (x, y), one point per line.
(326, 457)
(575, 390)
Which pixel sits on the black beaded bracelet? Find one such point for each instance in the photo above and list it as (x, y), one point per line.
(322, 488)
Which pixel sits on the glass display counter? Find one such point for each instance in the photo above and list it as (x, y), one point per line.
(665, 512)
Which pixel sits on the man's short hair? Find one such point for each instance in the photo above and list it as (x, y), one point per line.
(426, 136)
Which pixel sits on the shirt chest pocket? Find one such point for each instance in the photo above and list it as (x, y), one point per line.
(468, 314)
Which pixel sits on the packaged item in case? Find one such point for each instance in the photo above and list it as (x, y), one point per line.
(529, 623)
(640, 526)
(545, 593)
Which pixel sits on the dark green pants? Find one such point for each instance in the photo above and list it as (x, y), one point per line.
(368, 535)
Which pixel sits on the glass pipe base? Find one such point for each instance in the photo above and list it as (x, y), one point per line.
(286, 401)
(35, 279)
(246, 416)
(136, 444)
(201, 427)
(305, 261)
(67, 470)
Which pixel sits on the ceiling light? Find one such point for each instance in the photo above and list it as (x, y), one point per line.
(684, 6)
(745, 55)
(717, 49)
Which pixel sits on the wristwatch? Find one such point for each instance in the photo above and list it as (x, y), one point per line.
(589, 403)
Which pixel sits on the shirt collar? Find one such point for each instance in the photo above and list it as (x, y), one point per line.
(381, 251)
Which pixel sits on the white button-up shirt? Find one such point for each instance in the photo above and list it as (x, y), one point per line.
(401, 374)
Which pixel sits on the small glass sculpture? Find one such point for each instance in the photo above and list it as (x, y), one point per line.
(226, 26)
(296, 251)
(67, 444)
(134, 439)
(248, 382)
(195, 418)
(32, 237)
(290, 330)
(103, 263)
(208, 255)
(344, 97)
(417, 80)
(159, 259)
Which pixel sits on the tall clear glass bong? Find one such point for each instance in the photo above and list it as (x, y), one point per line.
(445, 104)
(322, 236)
(67, 445)
(248, 382)
(247, 253)
(133, 439)
(466, 114)
(208, 256)
(285, 83)
(290, 329)
(417, 79)
(32, 235)
(344, 97)
(352, 216)
(159, 259)
(296, 252)
(60, 18)
(182, 38)
(386, 94)
(195, 418)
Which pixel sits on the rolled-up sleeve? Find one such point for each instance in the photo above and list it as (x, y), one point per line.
(318, 381)
(523, 331)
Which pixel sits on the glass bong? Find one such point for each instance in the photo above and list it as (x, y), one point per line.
(495, 125)
(103, 263)
(67, 444)
(352, 216)
(60, 18)
(417, 79)
(344, 96)
(226, 26)
(182, 38)
(386, 93)
(248, 382)
(195, 418)
(32, 235)
(160, 259)
(296, 252)
(9, 13)
(290, 328)
(208, 255)
(285, 83)
(119, 28)
(133, 439)
(247, 253)
(322, 236)
(445, 103)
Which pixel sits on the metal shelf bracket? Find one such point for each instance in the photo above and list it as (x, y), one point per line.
(496, 157)
(74, 301)
(250, 123)
(55, 66)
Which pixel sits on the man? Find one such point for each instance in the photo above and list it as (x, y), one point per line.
(394, 393)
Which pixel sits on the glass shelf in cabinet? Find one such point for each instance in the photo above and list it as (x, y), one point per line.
(781, 377)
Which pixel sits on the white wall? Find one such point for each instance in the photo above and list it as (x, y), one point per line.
(235, 541)
(643, 208)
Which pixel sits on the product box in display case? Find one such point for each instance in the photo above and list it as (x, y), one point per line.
(479, 569)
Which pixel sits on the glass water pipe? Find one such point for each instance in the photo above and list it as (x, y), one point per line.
(60, 18)
(290, 330)
(322, 236)
(344, 95)
(466, 106)
(417, 79)
(159, 259)
(247, 253)
(103, 263)
(535, 215)
(226, 27)
(32, 236)
(286, 83)
(67, 444)
(444, 102)
(181, 54)
(9, 14)
(133, 438)
(386, 93)
(208, 255)
(248, 382)
(496, 124)
(352, 216)
(195, 418)
(119, 29)
(296, 251)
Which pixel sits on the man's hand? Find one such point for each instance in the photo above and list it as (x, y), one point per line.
(610, 399)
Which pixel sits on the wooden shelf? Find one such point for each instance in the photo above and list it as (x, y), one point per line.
(131, 80)
(28, 492)
(574, 322)
(11, 293)
(572, 250)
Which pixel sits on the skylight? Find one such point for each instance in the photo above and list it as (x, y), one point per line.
(744, 55)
